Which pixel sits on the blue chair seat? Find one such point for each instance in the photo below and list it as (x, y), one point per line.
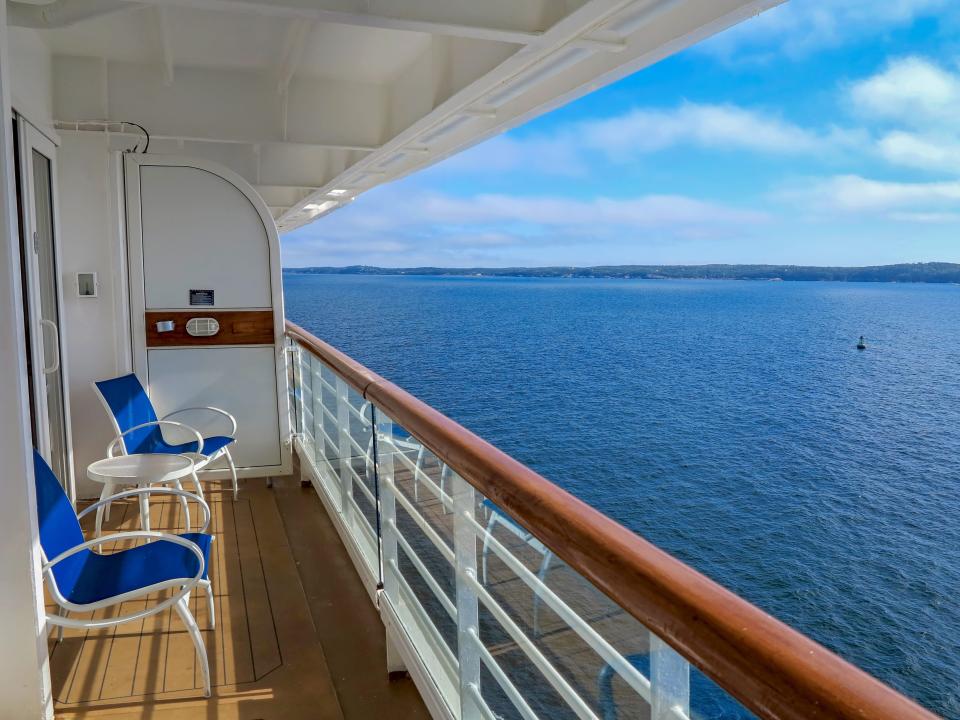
(211, 445)
(98, 577)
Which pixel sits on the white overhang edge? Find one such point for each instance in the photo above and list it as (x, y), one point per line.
(601, 42)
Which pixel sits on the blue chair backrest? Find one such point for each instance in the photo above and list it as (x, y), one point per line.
(131, 406)
(59, 527)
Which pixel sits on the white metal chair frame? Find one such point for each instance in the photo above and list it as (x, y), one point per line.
(104, 511)
(179, 600)
(201, 461)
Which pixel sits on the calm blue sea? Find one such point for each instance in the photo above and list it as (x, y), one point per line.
(732, 423)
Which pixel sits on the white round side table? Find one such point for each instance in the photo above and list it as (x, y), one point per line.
(142, 471)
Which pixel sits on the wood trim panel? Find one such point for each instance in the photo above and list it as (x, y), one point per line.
(237, 327)
(772, 669)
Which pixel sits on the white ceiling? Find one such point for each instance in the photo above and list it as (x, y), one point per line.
(221, 39)
(302, 97)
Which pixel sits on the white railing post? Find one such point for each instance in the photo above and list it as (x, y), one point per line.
(345, 451)
(383, 463)
(298, 387)
(468, 613)
(669, 682)
(316, 396)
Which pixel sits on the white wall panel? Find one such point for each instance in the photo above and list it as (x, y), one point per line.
(31, 77)
(25, 692)
(201, 232)
(241, 380)
(96, 327)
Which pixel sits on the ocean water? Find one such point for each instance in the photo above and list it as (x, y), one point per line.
(732, 423)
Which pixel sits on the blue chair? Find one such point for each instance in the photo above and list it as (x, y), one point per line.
(83, 581)
(139, 431)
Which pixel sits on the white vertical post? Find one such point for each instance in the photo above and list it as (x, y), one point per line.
(316, 396)
(24, 675)
(669, 681)
(346, 452)
(468, 612)
(383, 462)
(298, 386)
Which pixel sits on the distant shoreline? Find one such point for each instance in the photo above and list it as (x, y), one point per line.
(933, 272)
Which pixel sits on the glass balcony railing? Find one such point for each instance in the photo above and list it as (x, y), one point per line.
(557, 614)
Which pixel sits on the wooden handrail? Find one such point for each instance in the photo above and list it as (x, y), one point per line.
(775, 671)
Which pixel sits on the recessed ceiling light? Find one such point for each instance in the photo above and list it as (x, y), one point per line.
(336, 192)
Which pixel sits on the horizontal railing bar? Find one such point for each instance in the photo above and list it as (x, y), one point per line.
(368, 531)
(361, 450)
(328, 412)
(325, 382)
(334, 475)
(437, 541)
(481, 703)
(355, 474)
(438, 641)
(773, 670)
(633, 677)
(326, 435)
(445, 499)
(358, 413)
(509, 689)
(363, 486)
(530, 649)
(425, 573)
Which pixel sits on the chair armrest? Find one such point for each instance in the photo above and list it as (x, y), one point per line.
(146, 491)
(218, 411)
(186, 586)
(159, 423)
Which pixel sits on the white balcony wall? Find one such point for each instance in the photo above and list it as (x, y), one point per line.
(24, 678)
(96, 328)
(31, 76)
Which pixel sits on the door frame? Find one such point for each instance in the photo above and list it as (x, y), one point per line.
(30, 138)
(132, 162)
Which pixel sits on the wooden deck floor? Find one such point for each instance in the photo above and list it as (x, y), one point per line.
(296, 634)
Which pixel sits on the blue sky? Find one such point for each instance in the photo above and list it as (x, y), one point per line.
(822, 132)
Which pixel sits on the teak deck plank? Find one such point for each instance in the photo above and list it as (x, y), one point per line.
(234, 640)
(260, 623)
(149, 668)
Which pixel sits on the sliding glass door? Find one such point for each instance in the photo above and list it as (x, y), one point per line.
(43, 302)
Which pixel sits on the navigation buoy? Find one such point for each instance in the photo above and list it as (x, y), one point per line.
(861, 343)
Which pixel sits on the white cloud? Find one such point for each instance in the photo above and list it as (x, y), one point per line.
(559, 155)
(859, 195)
(439, 228)
(926, 218)
(912, 91)
(571, 152)
(925, 152)
(799, 28)
(920, 101)
(651, 211)
(723, 127)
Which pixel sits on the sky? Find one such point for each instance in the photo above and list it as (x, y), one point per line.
(823, 132)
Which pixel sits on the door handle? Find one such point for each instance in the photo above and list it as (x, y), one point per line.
(55, 365)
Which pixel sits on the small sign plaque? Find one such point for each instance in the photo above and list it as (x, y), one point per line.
(201, 297)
